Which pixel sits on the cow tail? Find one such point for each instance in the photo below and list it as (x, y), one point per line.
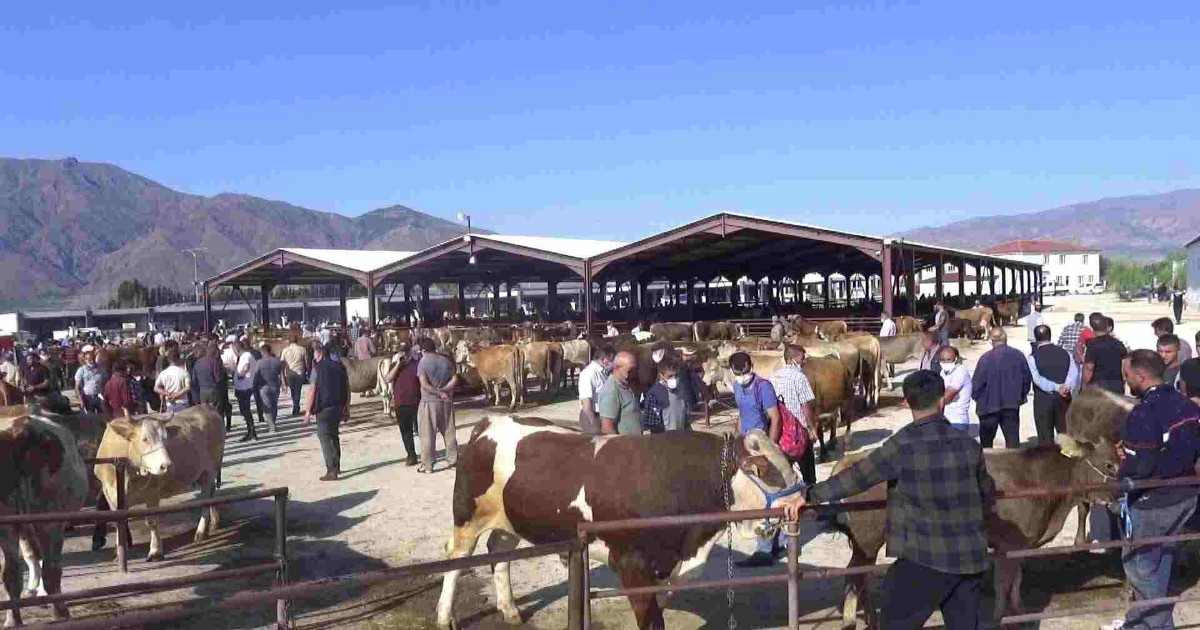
(519, 370)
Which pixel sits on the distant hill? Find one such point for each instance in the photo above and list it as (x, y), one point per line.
(71, 231)
(1143, 227)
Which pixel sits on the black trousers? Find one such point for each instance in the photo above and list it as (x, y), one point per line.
(295, 384)
(243, 398)
(1178, 308)
(1007, 420)
(915, 591)
(1049, 415)
(808, 465)
(329, 422)
(406, 419)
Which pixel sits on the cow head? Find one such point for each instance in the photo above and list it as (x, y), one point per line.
(761, 471)
(1099, 461)
(147, 438)
(462, 353)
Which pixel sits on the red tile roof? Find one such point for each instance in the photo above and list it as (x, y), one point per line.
(1037, 247)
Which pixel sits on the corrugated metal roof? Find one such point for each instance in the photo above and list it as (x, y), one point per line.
(364, 260)
(574, 247)
(1193, 242)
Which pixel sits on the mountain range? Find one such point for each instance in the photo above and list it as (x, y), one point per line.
(71, 231)
(1142, 227)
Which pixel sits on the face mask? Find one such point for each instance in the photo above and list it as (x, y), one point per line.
(672, 383)
(657, 355)
(744, 379)
(948, 367)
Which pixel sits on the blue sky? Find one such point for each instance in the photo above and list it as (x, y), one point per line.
(613, 120)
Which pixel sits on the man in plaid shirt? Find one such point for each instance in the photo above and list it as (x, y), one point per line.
(939, 495)
(793, 388)
(1068, 339)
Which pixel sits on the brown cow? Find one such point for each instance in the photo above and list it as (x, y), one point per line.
(43, 472)
(496, 365)
(1016, 523)
(870, 357)
(1007, 312)
(899, 349)
(671, 332)
(797, 325)
(715, 331)
(526, 478)
(577, 353)
(962, 328)
(363, 375)
(908, 325)
(980, 315)
(832, 330)
(544, 359)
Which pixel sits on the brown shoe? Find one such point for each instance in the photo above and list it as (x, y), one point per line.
(330, 476)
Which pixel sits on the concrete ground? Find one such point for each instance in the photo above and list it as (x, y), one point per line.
(382, 513)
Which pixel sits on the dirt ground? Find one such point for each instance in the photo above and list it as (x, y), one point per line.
(382, 513)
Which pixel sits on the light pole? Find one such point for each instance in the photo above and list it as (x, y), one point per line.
(196, 269)
(466, 218)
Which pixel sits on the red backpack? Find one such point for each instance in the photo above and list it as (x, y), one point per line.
(794, 439)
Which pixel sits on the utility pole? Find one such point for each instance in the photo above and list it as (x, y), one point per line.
(196, 269)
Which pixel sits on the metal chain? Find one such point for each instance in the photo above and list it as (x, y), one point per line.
(725, 485)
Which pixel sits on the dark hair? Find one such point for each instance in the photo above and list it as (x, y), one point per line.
(1109, 324)
(668, 364)
(923, 388)
(949, 349)
(740, 362)
(1148, 362)
(792, 351)
(1041, 333)
(1169, 339)
(1189, 373)
(605, 351)
(426, 344)
(1079, 317)
(1096, 321)
(1164, 324)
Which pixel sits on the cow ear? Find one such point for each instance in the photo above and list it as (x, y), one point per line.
(123, 427)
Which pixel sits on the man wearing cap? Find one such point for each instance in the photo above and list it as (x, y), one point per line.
(89, 381)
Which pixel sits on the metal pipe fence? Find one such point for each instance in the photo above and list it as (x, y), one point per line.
(279, 565)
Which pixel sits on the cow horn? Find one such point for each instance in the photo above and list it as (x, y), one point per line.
(757, 442)
(1069, 446)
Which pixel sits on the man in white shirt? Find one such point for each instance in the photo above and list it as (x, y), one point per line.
(1032, 321)
(888, 326)
(173, 384)
(243, 387)
(957, 378)
(611, 330)
(9, 370)
(591, 378)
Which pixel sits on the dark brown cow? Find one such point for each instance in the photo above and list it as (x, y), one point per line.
(526, 478)
(961, 328)
(43, 472)
(1007, 312)
(671, 332)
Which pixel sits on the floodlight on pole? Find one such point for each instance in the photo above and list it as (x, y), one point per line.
(196, 268)
(463, 217)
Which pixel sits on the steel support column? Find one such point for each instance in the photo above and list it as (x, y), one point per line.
(264, 306)
(462, 302)
(885, 278)
(978, 279)
(372, 303)
(962, 281)
(587, 302)
(938, 277)
(207, 309)
(342, 303)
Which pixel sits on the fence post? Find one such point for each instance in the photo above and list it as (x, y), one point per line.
(122, 524)
(281, 576)
(585, 583)
(792, 532)
(574, 589)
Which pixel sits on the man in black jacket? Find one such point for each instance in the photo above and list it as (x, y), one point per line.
(329, 401)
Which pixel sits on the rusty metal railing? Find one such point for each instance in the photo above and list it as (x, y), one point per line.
(581, 595)
(279, 565)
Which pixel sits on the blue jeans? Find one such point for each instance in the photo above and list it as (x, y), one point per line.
(1148, 569)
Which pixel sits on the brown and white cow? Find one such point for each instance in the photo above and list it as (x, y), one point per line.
(43, 472)
(526, 478)
(496, 365)
(168, 455)
(363, 375)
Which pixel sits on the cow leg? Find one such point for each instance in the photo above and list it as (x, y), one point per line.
(12, 578)
(1081, 529)
(498, 542)
(822, 452)
(1015, 590)
(51, 541)
(208, 519)
(633, 573)
(462, 544)
(156, 553)
(1004, 576)
(31, 553)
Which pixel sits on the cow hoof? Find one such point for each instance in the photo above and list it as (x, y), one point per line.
(154, 557)
(200, 536)
(99, 543)
(512, 616)
(29, 592)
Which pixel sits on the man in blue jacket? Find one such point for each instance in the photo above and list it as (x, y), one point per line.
(1000, 385)
(1160, 440)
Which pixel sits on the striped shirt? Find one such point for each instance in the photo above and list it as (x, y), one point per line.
(1069, 337)
(792, 386)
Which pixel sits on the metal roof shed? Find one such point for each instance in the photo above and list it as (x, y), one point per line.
(303, 266)
(492, 259)
(735, 245)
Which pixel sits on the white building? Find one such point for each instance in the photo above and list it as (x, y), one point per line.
(1193, 272)
(1068, 265)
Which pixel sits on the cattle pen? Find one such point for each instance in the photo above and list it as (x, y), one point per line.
(580, 594)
